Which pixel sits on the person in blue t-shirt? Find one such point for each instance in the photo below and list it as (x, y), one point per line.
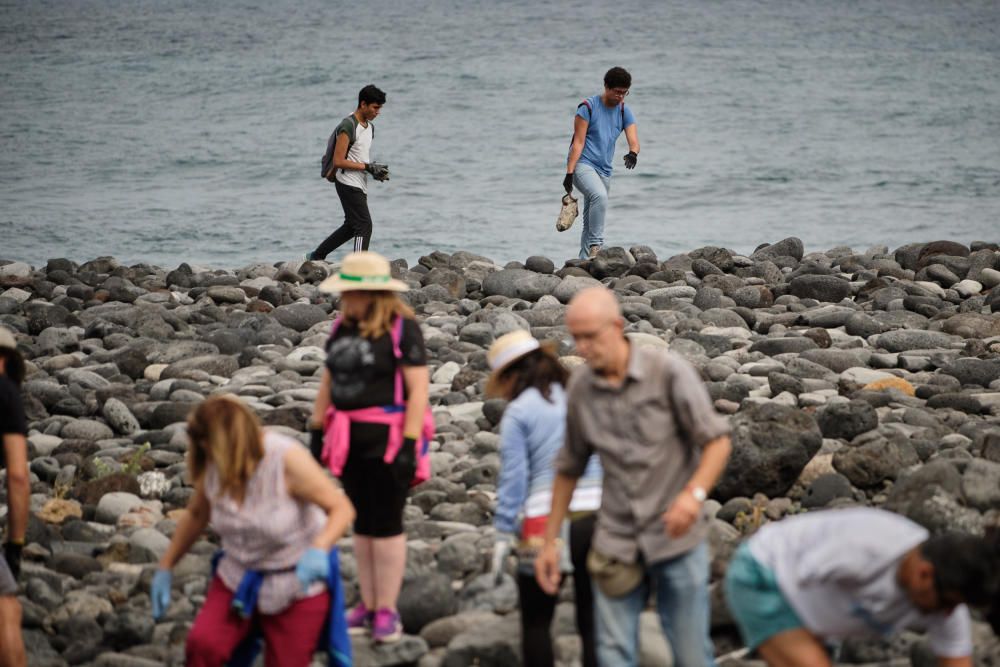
(599, 121)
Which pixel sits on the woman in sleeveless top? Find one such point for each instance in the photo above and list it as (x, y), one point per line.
(531, 377)
(278, 516)
(361, 375)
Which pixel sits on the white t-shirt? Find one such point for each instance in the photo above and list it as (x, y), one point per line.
(837, 569)
(359, 152)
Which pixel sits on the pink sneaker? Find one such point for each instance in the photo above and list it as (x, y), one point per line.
(359, 620)
(387, 627)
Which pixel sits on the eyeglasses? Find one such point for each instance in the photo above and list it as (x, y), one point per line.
(618, 92)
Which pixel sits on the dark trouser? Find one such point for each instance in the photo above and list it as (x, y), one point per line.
(357, 222)
(537, 607)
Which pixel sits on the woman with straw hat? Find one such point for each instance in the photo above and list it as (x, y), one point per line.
(370, 426)
(531, 377)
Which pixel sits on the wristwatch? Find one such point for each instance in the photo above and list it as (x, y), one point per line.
(699, 493)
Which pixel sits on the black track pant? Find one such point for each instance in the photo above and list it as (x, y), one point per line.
(357, 222)
(537, 607)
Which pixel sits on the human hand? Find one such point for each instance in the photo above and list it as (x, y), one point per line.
(501, 549)
(160, 592)
(568, 183)
(12, 554)
(380, 172)
(313, 566)
(630, 159)
(316, 443)
(681, 514)
(547, 572)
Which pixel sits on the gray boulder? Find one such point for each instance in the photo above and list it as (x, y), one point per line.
(86, 429)
(825, 289)
(771, 445)
(869, 463)
(902, 340)
(847, 420)
(788, 344)
(213, 364)
(974, 371)
(424, 599)
(981, 484)
(494, 645)
(789, 247)
(825, 489)
(298, 316)
(570, 285)
(120, 417)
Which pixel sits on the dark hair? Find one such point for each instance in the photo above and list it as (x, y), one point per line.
(539, 368)
(617, 77)
(14, 368)
(966, 566)
(371, 95)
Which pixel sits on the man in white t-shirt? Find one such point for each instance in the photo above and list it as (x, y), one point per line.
(859, 572)
(348, 164)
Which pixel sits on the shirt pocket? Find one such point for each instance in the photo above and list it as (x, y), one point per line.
(653, 418)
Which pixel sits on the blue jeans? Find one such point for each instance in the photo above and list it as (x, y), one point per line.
(595, 189)
(681, 586)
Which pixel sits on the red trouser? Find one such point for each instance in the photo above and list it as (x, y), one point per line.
(290, 637)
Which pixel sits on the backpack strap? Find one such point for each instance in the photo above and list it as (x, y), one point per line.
(350, 138)
(397, 352)
(586, 103)
(335, 326)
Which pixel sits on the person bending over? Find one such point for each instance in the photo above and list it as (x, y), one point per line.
(859, 572)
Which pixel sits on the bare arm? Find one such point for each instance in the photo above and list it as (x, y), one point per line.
(580, 126)
(632, 136)
(307, 482)
(340, 160)
(322, 401)
(417, 379)
(685, 509)
(15, 447)
(547, 572)
(189, 527)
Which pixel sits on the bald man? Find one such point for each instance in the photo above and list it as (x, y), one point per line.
(647, 415)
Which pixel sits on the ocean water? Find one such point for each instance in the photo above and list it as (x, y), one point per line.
(175, 130)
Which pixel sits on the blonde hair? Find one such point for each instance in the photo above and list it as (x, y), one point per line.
(228, 434)
(384, 308)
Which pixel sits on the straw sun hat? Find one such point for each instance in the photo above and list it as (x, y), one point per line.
(368, 271)
(510, 347)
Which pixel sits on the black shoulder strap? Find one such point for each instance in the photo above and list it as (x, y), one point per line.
(350, 138)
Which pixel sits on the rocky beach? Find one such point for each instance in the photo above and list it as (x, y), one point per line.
(851, 377)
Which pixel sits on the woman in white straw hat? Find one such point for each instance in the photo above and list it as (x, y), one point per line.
(370, 426)
(531, 377)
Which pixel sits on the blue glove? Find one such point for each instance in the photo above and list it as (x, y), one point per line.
(160, 592)
(313, 566)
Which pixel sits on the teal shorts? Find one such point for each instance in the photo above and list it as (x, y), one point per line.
(755, 600)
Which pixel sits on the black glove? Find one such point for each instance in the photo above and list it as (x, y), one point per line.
(380, 172)
(630, 159)
(12, 554)
(316, 442)
(405, 463)
(568, 183)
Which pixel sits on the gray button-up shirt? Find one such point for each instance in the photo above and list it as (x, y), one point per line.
(649, 433)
